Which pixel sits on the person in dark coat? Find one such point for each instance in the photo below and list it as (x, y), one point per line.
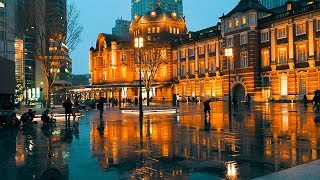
(206, 108)
(316, 102)
(67, 108)
(100, 106)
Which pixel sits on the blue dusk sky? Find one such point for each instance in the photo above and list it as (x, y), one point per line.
(98, 16)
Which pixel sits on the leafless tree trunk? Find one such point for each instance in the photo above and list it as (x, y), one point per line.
(54, 38)
(150, 59)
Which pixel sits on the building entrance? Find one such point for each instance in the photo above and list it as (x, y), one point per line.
(239, 92)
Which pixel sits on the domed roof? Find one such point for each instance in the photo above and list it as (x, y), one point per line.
(158, 16)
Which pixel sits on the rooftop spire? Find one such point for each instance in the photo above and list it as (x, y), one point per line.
(158, 3)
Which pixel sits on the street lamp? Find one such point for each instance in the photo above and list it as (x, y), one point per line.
(229, 54)
(138, 43)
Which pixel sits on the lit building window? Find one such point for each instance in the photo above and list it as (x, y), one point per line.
(265, 36)
(302, 53)
(153, 14)
(2, 5)
(201, 49)
(284, 85)
(230, 24)
(183, 70)
(236, 22)
(149, 38)
(191, 52)
(192, 68)
(265, 55)
(153, 30)
(301, 29)
(158, 29)
(202, 68)
(163, 71)
(302, 84)
(282, 55)
(123, 56)
(281, 33)
(171, 30)
(183, 53)
(149, 30)
(178, 31)
(243, 39)
(174, 31)
(212, 65)
(229, 41)
(244, 59)
(164, 54)
(244, 20)
(212, 48)
(124, 72)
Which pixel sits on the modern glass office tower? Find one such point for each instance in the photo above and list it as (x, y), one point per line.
(273, 3)
(141, 7)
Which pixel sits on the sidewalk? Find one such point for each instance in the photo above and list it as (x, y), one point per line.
(305, 171)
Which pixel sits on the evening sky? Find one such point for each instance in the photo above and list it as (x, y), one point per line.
(98, 16)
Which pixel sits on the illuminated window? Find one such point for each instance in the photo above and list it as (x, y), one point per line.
(183, 53)
(282, 55)
(212, 65)
(153, 30)
(284, 85)
(236, 22)
(2, 5)
(164, 54)
(201, 67)
(212, 48)
(153, 14)
(183, 70)
(265, 57)
(244, 20)
(124, 72)
(201, 49)
(123, 56)
(149, 30)
(174, 31)
(191, 52)
(163, 71)
(175, 55)
(244, 59)
(243, 39)
(302, 54)
(301, 29)
(158, 29)
(302, 84)
(265, 36)
(149, 38)
(171, 30)
(229, 41)
(192, 68)
(178, 31)
(281, 33)
(230, 24)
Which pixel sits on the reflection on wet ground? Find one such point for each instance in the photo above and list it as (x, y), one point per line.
(258, 141)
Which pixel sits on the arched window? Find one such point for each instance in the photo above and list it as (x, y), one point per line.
(283, 85)
(244, 59)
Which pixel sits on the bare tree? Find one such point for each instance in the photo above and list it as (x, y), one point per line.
(54, 38)
(149, 60)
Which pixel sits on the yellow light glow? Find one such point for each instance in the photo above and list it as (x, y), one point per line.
(228, 52)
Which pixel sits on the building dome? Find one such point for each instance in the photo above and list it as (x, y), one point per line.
(158, 24)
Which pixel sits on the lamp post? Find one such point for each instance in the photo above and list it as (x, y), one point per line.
(138, 43)
(229, 54)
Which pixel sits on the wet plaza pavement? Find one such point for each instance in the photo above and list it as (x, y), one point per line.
(264, 139)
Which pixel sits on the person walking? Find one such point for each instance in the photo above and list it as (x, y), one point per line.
(248, 100)
(315, 101)
(67, 109)
(305, 100)
(206, 108)
(100, 106)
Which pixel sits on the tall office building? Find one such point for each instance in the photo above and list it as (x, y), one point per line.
(7, 28)
(141, 7)
(121, 29)
(273, 3)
